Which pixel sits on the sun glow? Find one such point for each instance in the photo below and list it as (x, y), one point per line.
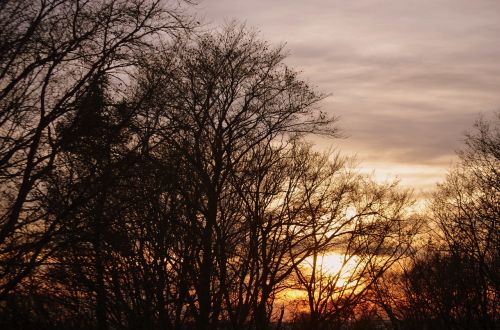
(350, 212)
(337, 266)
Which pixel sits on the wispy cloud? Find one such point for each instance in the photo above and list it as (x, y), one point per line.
(406, 77)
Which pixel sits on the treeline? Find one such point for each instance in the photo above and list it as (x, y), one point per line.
(154, 176)
(451, 281)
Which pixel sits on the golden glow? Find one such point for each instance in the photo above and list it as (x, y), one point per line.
(350, 212)
(334, 265)
(292, 294)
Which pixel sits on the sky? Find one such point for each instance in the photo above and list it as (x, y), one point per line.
(406, 77)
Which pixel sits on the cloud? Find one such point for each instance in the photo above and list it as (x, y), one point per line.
(407, 77)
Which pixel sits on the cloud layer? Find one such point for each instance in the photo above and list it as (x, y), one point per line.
(407, 77)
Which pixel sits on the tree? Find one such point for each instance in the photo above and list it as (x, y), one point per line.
(451, 280)
(51, 51)
(441, 292)
(467, 213)
(368, 227)
(219, 99)
(92, 150)
(155, 196)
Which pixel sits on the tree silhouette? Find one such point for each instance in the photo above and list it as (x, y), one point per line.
(156, 179)
(219, 99)
(452, 282)
(51, 52)
(467, 211)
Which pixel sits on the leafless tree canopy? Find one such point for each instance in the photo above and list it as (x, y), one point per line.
(452, 282)
(158, 176)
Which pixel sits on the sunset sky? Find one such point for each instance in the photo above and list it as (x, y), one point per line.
(407, 78)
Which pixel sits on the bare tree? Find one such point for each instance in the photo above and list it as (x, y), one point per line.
(467, 212)
(368, 231)
(220, 97)
(450, 280)
(51, 51)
